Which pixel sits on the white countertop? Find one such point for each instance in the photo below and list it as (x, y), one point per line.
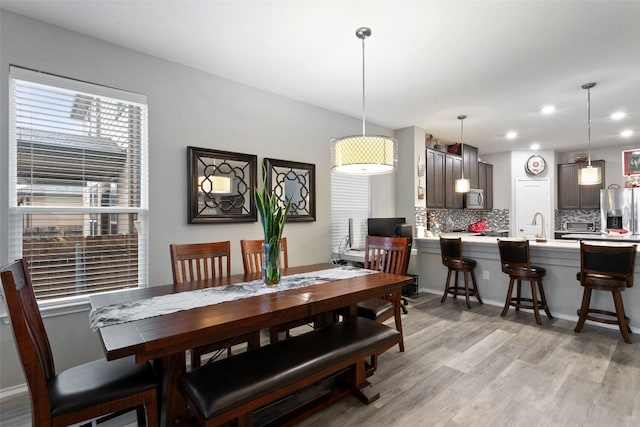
(568, 241)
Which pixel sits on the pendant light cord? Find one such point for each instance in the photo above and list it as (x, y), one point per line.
(363, 35)
(589, 124)
(588, 87)
(462, 117)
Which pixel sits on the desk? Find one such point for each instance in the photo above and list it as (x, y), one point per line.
(167, 337)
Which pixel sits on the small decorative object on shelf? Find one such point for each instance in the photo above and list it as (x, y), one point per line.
(420, 191)
(273, 217)
(420, 167)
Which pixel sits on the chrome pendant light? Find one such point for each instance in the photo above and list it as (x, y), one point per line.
(462, 185)
(589, 175)
(364, 154)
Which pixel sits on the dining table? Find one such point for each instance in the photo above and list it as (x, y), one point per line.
(164, 338)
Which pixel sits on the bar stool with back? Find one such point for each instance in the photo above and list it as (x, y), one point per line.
(195, 262)
(515, 261)
(606, 268)
(451, 249)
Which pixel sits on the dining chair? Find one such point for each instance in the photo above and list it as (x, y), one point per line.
(606, 268)
(252, 254)
(252, 263)
(386, 254)
(81, 393)
(193, 262)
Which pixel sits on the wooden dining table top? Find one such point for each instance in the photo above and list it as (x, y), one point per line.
(159, 336)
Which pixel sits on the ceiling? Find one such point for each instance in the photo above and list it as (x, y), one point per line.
(499, 62)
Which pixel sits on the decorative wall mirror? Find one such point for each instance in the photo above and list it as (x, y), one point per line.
(221, 186)
(295, 181)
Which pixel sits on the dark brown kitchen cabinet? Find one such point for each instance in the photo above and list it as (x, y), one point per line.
(453, 171)
(435, 178)
(442, 169)
(485, 182)
(470, 156)
(574, 196)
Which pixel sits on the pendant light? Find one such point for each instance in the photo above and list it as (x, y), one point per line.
(364, 154)
(589, 175)
(462, 185)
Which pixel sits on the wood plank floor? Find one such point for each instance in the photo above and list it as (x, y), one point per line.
(471, 367)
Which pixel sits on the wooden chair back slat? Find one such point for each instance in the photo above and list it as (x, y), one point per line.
(252, 254)
(386, 254)
(200, 261)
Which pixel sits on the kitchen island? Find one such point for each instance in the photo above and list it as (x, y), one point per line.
(561, 259)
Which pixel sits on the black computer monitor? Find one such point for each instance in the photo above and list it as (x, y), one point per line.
(385, 227)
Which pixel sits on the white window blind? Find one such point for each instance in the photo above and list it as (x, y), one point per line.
(349, 199)
(78, 184)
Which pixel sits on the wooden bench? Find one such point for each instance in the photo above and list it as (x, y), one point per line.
(233, 388)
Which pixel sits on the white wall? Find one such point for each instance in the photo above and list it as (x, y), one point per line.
(186, 107)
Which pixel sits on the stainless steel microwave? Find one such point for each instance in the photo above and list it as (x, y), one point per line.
(474, 199)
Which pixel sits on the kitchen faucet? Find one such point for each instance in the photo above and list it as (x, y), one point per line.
(540, 236)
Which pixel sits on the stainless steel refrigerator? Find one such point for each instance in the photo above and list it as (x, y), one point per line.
(620, 209)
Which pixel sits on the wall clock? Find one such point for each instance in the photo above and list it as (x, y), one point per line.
(535, 165)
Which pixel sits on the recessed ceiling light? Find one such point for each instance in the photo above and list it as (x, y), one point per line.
(512, 135)
(618, 115)
(534, 146)
(626, 133)
(548, 109)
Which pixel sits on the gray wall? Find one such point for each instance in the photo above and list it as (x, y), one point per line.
(186, 107)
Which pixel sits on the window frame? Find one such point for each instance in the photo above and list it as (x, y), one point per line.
(76, 303)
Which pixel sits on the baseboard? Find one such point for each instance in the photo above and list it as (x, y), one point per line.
(9, 392)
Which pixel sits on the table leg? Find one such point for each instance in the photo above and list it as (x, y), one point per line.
(175, 413)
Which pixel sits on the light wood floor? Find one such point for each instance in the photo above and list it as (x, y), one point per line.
(467, 367)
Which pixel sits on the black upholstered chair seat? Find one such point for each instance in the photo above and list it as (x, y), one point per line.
(216, 387)
(602, 280)
(533, 270)
(374, 308)
(462, 263)
(97, 382)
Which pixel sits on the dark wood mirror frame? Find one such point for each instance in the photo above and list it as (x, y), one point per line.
(284, 176)
(234, 175)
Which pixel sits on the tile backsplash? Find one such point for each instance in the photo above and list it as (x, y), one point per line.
(459, 219)
(563, 216)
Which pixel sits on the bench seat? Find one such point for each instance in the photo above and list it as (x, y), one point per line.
(234, 387)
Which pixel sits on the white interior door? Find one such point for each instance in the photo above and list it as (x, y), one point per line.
(532, 196)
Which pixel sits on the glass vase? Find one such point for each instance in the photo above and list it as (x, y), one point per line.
(271, 265)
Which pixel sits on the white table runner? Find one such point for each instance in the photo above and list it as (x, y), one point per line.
(171, 303)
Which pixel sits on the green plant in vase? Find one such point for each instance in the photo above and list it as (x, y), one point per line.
(273, 217)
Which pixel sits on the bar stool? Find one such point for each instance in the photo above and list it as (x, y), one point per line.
(451, 249)
(606, 268)
(516, 262)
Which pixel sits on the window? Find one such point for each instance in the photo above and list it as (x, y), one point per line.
(77, 184)
(349, 199)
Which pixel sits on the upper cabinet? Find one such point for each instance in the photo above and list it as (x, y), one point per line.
(485, 182)
(470, 156)
(453, 171)
(435, 178)
(442, 170)
(574, 196)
